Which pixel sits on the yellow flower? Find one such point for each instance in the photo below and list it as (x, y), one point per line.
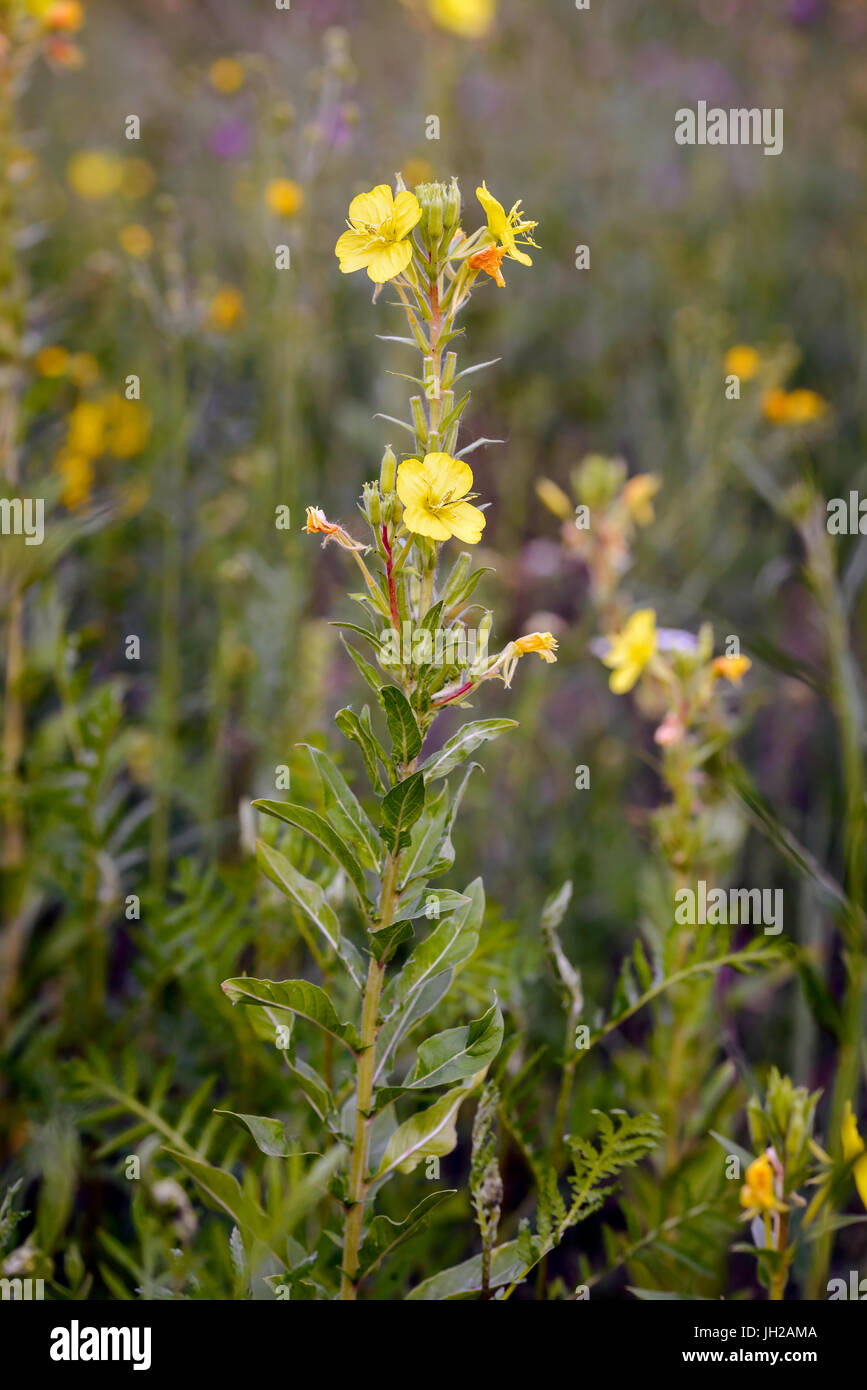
(128, 427)
(77, 473)
(51, 360)
(136, 240)
(793, 407)
(226, 76)
(94, 175)
(470, 19)
(64, 17)
(554, 498)
(543, 643)
(507, 228)
(83, 368)
(489, 260)
(743, 362)
(731, 668)
(137, 178)
(853, 1145)
(417, 171)
(318, 523)
(284, 197)
(226, 309)
(757, 1193)
(86, 433)
(432, 491)
(631, 650)
(378, 236)
(637, 497)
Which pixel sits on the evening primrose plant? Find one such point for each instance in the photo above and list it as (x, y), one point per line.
(393, 953)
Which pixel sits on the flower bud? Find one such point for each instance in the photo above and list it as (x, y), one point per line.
(371, 504)
(452, 211)
(388, 471)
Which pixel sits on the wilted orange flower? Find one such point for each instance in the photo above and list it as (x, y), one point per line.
(489, 260)
(544, 644)
(731, 668)
(317, 522)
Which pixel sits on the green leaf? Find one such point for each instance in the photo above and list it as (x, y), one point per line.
(385, 942)
(507, 1266)
(223, 1190)
(370, 674)
(310, 898)
(384, 1235)
(458, 1053)
(402, 726)
(462, 744)
(401, 808)
(345, 811)
(298, 997)
(270, 1135)
(353, 728)
(430, 1133)
(318, 829)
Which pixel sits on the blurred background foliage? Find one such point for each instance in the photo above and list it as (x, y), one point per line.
(259, 389)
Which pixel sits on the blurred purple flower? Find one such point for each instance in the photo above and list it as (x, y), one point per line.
(230, 140)
(806, 11)
(541, 559)
(336, 129)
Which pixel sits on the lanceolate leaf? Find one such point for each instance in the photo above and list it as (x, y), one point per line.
(298, 997)
(402, 726)
(458, 1053)
(370, 674)
(462, 744)
(310, 898)
(401, 808)
(223, 1190)
(318, 829)
(270, 1135)
(354, 728)
(345, 811)
(429, 1133)
(384, 1235)
(507, 1266)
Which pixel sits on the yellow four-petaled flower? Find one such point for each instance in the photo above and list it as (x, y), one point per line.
(433, 492)
(378, 238)
(631, 650)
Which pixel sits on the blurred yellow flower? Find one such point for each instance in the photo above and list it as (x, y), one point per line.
(417, 171)
(489, 260)
(631, 650)
(793, 407)
(94, 175)
(51, 360)
(64, 17)
(433, 492)
(77, 473)
(554, 498)
(507, 228)
(226, 309)
(136, 240)
(471, 19)
(637, 497)
(743, 362)
(284, 197)
(731, 668)
(378, 236)
(86, 433)
(83, 368)
(226, 75)
(757, 1193)
(853, 1146)
(128, 427)
(544, 644)
(137, 179)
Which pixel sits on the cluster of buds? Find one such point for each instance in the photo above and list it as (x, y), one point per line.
(600, 525)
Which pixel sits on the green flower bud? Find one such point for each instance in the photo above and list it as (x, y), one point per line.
(452, 211)
(388, 471)
(372, 505)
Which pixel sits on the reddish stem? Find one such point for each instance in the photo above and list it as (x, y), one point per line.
(392, 592)
(462, 690)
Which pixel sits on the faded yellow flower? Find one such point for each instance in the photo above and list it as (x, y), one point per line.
(378, 239)
(434, 492)
(51, 360)
(226, 76)
(470, 19)
(318, 523)
(757, 1193)
(226, 309)
(637, 497)
(793, 407)
(742, 361)
(83, 369)
(554, 498)
(284, 197)
(128, 426)
(137, 179)
(64, 17)
(631, 650)
(77, 473)
(489, 260)
(136, 241)
(94, 174)
(544, 644)
(86, 433)
(417, 171)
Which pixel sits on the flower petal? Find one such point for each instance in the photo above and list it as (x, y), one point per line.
(624, 678)
(388, 261)
(424, 523)
(373, 208)
(447, 477)
(407, 212)
(354, 250)
(464, 521)
(412, 483)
